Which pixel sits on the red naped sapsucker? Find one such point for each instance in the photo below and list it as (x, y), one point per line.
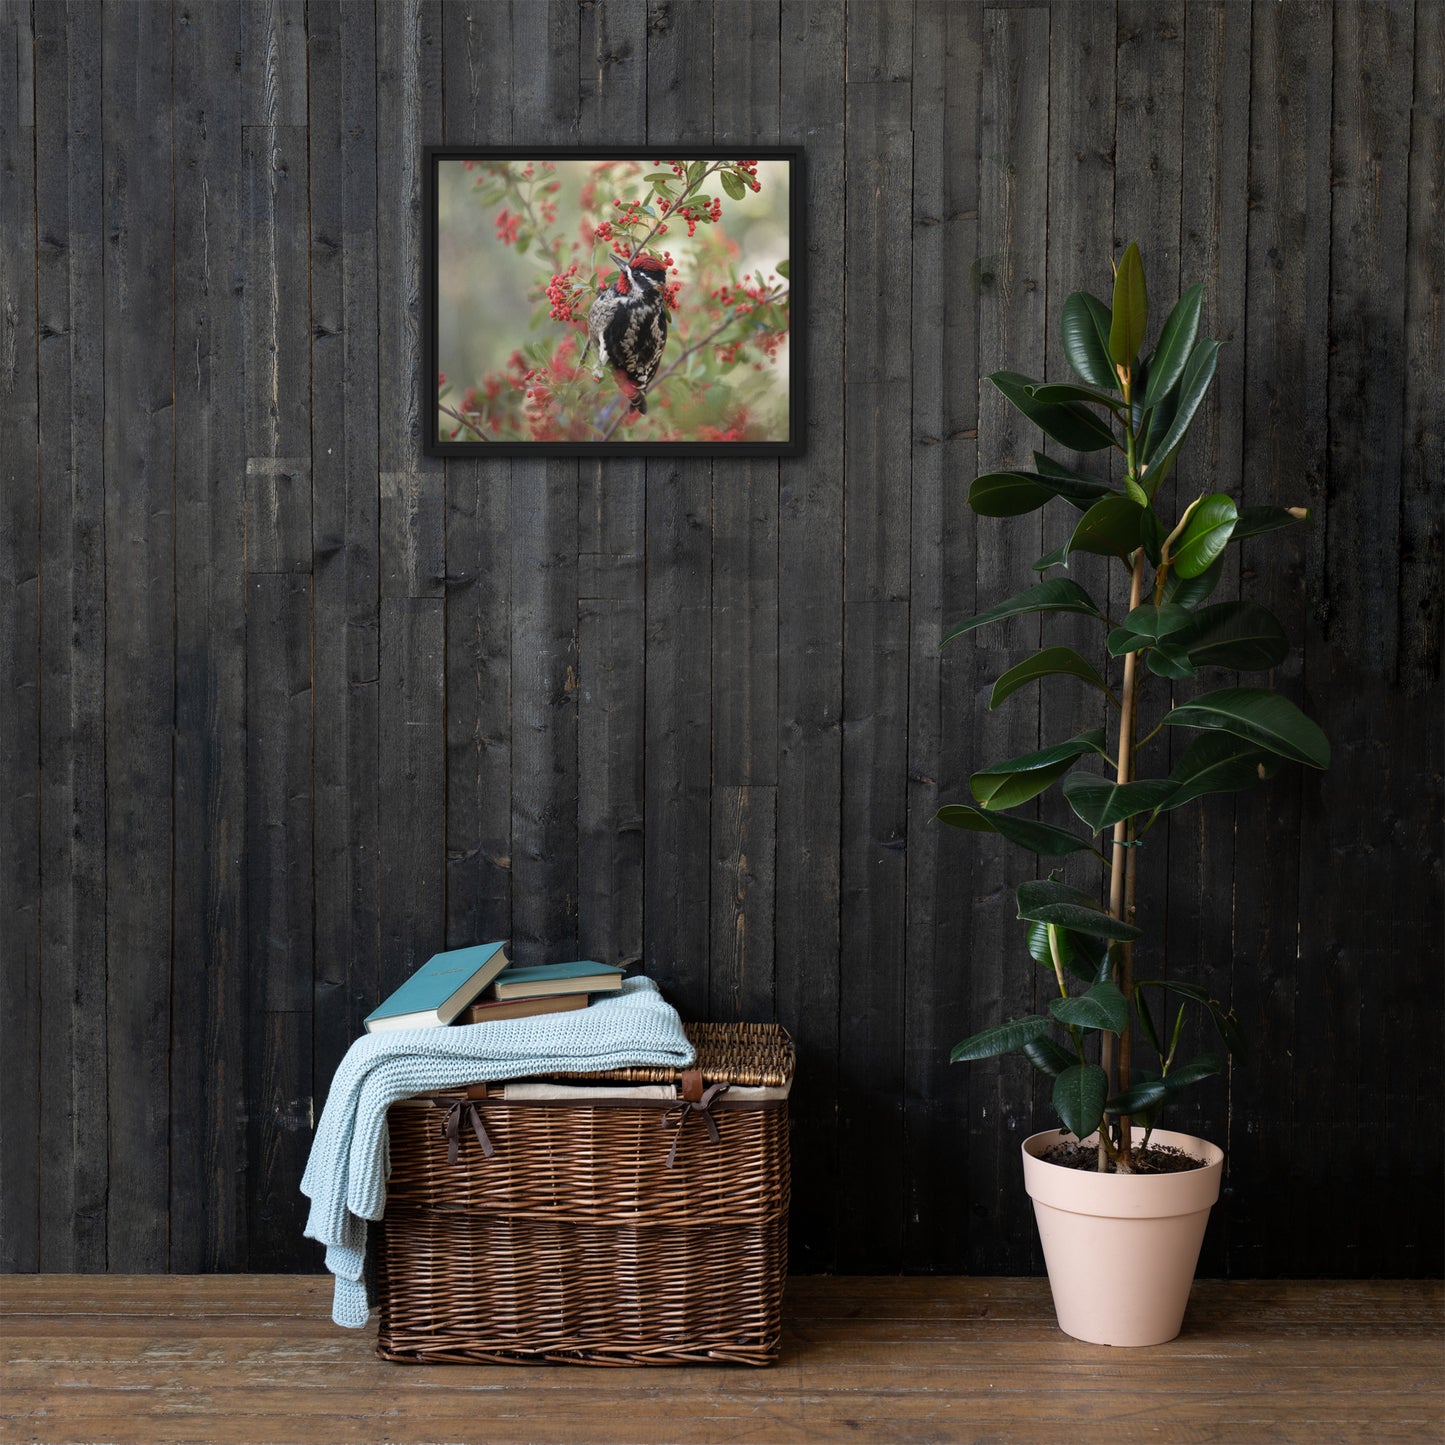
(628, 326)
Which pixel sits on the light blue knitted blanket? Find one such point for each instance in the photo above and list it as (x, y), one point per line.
(346, 1174)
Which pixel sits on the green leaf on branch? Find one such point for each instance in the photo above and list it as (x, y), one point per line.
(1066, 391)
(1084, 957)
(1110, 528)
(732, 185)
(1058, 595)
(1041, 838)
(1042, 900)
(1216, 763)
(785, 269)
(1001, 1039)
(1206, 534)
(1139, 1097)
(1103, 1007)
(1191, 591)
(1059, 557)
(1206, 1066)
(1151, 623)
(1007, 784)
(1198, 373)
(1100, 804)
(1225, 1022)
(695, 172)
(1176, 341)
(1048, 1057)
(1130, 316)
(1079, 1094)
(1051, 662)
(1072, 426)
(1168, 659)
(1240, 635)
(1012, 494)
(1255, 521)
(1085, 333)
(1258, 716)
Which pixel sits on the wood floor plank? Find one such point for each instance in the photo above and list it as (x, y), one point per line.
(169, 1360)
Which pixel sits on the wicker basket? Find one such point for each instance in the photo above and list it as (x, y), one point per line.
(627, 1232)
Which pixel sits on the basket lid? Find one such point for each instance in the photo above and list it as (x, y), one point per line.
(749, 1055)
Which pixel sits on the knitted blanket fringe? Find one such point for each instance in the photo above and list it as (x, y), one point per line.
(346, 1174)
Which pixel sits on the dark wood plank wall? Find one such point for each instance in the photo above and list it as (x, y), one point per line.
(287, 706)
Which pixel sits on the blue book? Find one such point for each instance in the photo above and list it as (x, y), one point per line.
(440, 989)
(551, 978)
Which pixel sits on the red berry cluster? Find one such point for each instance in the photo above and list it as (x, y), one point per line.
(508, 226)
(564, 294)
(748, 171)
(708, 213)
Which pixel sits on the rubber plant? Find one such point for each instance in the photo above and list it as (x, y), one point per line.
(1141, 405)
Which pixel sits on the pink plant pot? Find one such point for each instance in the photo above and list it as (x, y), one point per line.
(1121, 1249)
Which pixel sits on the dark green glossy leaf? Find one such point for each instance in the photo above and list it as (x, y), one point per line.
(1059, 557)
(1138, 1097)
(1012, 494)
(1051, 662)
(1151, 533)
(1176, 341)
(1239, 635)
(1198, 373)
(1072, 426)
(1103, 1007)
(1214, 763)
(1079, 1094)
(1041, 838)
(1067, 391)
(1110, 528)
(1101, 804)
(1258, 716)
(1060, 594)
(1206, 534)
(1015, 781)
(1152, 623)
(1225, 1022)
(1085, 333)
(1048, 1057)
(1191, 591)
(1041, 900)
(1206, 1066)
(1046, 465)
(1168, 659)
(1078, 953)
(1130, 310)
(1001, 1039)
(1255, 521)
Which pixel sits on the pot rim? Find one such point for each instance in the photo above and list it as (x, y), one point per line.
(1137, 1196)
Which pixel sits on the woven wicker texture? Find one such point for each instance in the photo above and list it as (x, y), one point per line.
(757, 1055)
(576, 1242)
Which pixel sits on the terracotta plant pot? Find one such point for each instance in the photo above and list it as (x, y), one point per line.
(1121, 1248)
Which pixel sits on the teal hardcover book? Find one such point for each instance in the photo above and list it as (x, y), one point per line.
(584, 976)
(440, 989)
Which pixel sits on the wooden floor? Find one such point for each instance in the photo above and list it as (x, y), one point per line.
(160, 1360)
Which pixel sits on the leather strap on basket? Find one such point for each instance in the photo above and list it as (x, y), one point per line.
(453, 1129)
(680, 1113)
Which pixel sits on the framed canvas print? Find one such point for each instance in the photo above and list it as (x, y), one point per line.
(595, 302)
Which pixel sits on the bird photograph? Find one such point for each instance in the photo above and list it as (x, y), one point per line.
(612, 299)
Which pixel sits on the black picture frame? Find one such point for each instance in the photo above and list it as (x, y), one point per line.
(436, 444)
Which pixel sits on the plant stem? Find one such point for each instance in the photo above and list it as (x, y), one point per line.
(1121, 869)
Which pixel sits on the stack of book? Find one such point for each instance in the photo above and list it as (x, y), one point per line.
(477, 985)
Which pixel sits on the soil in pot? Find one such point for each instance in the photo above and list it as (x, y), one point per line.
(1156, 1159)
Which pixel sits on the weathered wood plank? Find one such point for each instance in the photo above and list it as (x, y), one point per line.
(678, 686)
(1286, 360)
(209, 984)
(68, 269)
(746, 54)
(341, 79)
(412, 795)
(279, 914)
(611, 556)
(477, 56)
(544, 618)
(20, 641)
(947, 71)
(139, 441)
(278, 369)
(876, 483)
(1012, 279)
(810, 610)
(409, 115)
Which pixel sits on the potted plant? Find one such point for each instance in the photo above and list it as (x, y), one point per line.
(1121, 1234)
